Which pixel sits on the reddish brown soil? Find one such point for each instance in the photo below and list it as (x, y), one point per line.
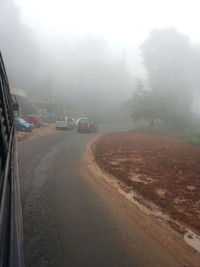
(160, 168)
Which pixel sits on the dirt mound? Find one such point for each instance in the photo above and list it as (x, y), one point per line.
(160, 168)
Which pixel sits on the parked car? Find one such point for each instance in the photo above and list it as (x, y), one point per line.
(34, 119)
(22, 125)
(63, 122)
(86, 125)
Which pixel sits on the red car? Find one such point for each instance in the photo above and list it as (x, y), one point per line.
(86, 125)
(33, 119)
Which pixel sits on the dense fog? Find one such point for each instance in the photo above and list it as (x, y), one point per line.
(154, 78)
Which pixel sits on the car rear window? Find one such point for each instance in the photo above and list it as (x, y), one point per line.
(84, 120)
(61, 118)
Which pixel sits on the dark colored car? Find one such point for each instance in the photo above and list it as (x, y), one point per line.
(22, 125)
(86, 125)
(34, 119)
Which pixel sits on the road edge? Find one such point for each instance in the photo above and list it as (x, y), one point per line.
(171, 237)
(30, 136)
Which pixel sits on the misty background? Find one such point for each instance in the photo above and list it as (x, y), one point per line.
(106, 60)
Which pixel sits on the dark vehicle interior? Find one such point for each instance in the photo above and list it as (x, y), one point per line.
(10, 208)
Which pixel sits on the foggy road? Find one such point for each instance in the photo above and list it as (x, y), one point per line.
(117, 62)
(67, 221)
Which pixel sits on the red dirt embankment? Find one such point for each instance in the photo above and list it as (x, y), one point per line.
(160, 168)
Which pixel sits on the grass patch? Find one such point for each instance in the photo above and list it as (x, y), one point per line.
(193, 139)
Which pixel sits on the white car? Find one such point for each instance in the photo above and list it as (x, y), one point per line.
(64, 122)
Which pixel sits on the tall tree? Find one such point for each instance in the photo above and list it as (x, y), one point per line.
(171, 62)
(19, 49)
(168, 57)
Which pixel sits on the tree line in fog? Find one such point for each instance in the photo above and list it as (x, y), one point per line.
(86, 78)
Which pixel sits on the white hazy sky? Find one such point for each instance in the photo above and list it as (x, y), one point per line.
(120, 21)
(124, 24)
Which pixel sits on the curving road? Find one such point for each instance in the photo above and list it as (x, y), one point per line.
(68, 219)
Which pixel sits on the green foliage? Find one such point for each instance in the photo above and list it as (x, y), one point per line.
(145, 104)
(156, 106)
(193, 139)
(171, 62)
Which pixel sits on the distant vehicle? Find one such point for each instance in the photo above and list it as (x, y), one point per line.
(64, 122)
(34, 119)
(22, 125)
(86, 125)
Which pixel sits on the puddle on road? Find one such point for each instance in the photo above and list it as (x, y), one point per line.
(192, 239)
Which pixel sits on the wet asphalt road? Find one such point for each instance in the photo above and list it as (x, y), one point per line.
(66, 221)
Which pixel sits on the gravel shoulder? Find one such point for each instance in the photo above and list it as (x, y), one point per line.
(46, 129)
